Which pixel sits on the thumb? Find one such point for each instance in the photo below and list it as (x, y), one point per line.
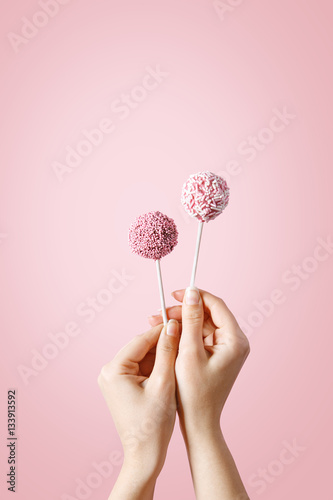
(192, 319)
(166, 350)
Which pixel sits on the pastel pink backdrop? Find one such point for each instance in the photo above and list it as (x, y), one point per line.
(61, 241)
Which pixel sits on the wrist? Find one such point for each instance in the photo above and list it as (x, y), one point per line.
(202, 430)
(134, 482)
(142, 469)
(212, 466)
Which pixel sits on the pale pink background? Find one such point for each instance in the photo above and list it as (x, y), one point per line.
(64, 239)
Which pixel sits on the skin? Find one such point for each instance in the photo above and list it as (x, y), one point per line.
(191, 371)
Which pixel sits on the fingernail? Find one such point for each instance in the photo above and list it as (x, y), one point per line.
(192, 296)
(154, 316)
(172, 328)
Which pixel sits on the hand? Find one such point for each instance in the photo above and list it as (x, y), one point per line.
(212, 351)
(139, 387)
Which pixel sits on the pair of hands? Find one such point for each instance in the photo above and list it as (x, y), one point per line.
(188, 366)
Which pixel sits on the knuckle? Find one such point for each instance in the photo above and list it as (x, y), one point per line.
(105, 374)
(219, 302)
(241, 346)
(189, 353)
(163, 384)
(141, 337)
(160, 381)
(167, 347)
(193, 317)
(189, 349)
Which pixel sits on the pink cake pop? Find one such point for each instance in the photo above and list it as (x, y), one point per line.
(205, 195)
(153, 236)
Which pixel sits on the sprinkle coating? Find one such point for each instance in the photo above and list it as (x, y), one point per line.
(153, 235)
(205, 195)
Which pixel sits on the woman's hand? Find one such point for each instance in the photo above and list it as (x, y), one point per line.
(139, 387)
(212, 351)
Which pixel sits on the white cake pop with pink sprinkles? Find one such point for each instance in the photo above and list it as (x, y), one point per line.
(205, 195)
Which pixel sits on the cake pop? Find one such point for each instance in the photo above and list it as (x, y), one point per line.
(154, 235)
(204, 196)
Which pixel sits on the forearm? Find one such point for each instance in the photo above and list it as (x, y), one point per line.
(133, 484)
(214, 472)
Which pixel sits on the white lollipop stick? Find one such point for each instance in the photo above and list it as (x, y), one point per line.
(160, 286)
(196, 255)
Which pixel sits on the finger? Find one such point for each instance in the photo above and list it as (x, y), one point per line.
(155, 319)
(220, 313)
(179, 294)
(138, 347)
(192, 320)
(166, 351)
(174, 312)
